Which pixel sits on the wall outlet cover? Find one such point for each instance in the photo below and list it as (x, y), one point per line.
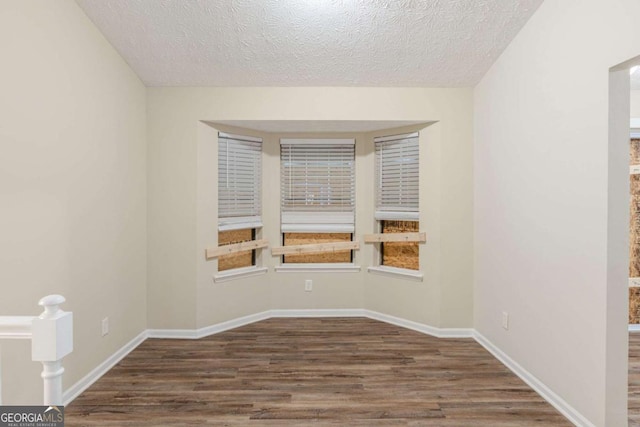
(105, 326)
(505, 320)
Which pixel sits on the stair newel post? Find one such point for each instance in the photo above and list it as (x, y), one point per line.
(52, 341)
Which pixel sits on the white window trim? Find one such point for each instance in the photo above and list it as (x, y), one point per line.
(239, 137)
(317, 222)
(384, 212)
(239, 223)
(317, 141)
(402, 273)
(238, 273)
(317, 228)
(396, 216)
(318, 268)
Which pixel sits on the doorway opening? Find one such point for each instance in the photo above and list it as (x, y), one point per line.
(634, 247)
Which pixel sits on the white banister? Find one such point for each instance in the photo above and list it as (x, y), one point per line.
(16, 327)
(51, 336)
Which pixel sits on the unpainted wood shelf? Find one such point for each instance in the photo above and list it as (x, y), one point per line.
(315, 248)
(395, 237)
(211, 253)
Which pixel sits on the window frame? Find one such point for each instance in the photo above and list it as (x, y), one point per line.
(316, 219)
(248, 197)
(401, 212)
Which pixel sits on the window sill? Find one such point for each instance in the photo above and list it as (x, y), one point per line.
(402, 273)
(320, 268)
(238, 273)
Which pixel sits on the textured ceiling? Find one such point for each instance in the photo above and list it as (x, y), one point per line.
(446, 43)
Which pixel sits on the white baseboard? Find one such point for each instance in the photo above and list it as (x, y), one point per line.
(359, 312)
(320, 312)
(232, 324)
(421, 327)
(192, 334)
(182, 334)
(93, 376)
(538, 386)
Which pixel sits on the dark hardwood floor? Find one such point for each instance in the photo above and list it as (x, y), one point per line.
(312, 372)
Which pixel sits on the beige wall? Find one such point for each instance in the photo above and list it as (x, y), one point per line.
(81, 138)
(416, 301)
(182, 205)
(548, 247)
(171, 207)
(72, 186)
(218, 302)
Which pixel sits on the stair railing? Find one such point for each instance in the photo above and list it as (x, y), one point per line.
(51, 336)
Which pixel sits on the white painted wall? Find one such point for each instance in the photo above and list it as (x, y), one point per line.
(635, 104)
(72, 186)
(182, 205)
(542, 227)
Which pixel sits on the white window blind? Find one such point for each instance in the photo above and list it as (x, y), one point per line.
(239, 182)
(317, 185)
(397, 177)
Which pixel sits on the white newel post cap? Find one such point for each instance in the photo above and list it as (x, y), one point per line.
(51, 304)
(52, 331)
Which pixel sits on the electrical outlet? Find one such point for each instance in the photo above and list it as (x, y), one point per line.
(505, 320)
(308, 285)
(105, 326)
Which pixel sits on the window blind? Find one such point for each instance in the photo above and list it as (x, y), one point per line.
(317, 185)
(239, 182)
(397, 177)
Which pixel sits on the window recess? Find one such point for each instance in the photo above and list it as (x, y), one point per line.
(634, 228)
(239, 182)
(317, 187)
(397, 177)
(397, 202)
(239, 202)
